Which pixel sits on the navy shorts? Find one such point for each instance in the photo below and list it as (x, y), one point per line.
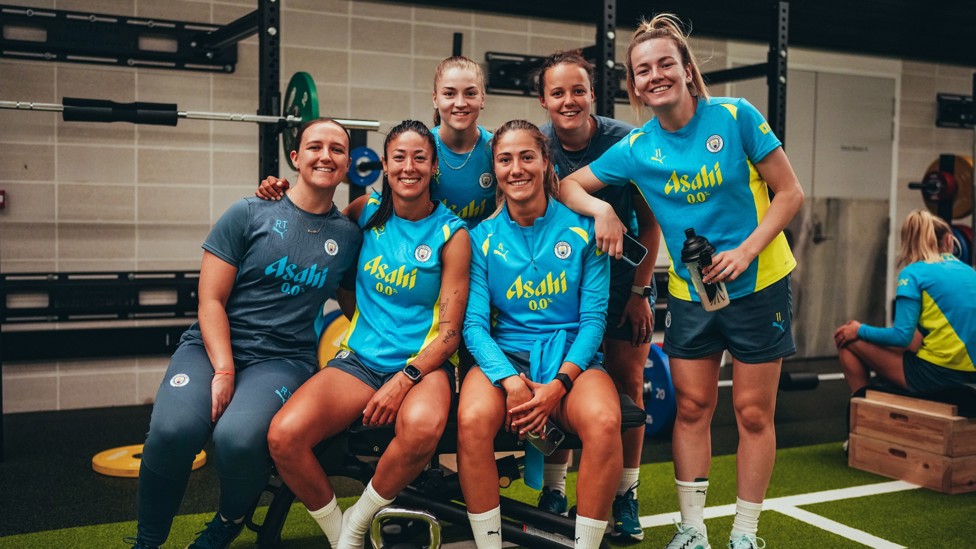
(922, 375)
(756, 328)
(520, 360)
(349, 362)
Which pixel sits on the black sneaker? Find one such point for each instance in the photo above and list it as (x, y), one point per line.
(552, 501)
(217, 535)
(136, 544)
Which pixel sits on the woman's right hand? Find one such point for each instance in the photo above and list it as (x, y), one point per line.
(272, 188)
(609, 232)
(516, 394)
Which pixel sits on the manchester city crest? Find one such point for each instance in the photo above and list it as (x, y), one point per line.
(331, 247)
(485, 180)
(422, 253)
(714, 143)
(179, 380)
(562, 249)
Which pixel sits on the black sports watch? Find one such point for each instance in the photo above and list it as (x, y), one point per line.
(413, 373)
(565, 380)
(643, 291)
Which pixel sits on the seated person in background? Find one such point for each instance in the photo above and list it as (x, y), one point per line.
(536, 315)
(394, 367)
(267, 269)
(937, 295)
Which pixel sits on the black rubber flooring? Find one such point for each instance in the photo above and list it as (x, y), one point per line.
(46, 480)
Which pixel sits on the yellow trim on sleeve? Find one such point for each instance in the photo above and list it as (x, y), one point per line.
(732, 109)
(582, 233)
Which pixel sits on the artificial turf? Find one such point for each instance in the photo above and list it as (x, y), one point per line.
(913, 518)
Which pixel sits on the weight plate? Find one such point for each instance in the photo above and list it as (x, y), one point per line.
(301, 100)
(359, 174)
(659, 399)
(963, 244)
(124, 461)
(962, 172)
(332, 336)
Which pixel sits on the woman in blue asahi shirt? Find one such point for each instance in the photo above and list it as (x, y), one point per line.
(535, 319)
(395, 365)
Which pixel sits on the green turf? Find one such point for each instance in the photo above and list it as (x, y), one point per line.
(915, 518)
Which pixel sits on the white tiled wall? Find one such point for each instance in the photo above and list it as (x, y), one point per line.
(87, 196)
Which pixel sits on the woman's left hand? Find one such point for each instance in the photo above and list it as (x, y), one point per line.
(532, 415)
(727, 265)
(846, 333)
(638, 311)
(383, 407)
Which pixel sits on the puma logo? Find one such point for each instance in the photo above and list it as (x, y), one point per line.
(494, 533)
(780, 326)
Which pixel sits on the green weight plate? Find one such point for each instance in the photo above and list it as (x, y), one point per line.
(301, 100)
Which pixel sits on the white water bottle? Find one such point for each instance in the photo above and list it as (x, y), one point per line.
(696, 254)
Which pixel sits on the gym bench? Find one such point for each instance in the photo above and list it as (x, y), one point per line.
(435, 494)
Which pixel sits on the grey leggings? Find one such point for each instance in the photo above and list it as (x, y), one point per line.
(180, 426)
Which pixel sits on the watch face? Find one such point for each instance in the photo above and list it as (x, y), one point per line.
(412, 372)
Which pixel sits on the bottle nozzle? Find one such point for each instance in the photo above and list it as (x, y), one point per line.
(690, 233)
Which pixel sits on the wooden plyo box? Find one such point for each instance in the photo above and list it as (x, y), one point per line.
(914, 440)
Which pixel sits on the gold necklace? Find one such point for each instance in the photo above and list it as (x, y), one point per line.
(301, 217)
(443, 158)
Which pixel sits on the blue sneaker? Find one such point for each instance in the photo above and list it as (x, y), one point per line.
(626, 519)
(552, 501)
(217, 535)
(688, 537)
(746, 542)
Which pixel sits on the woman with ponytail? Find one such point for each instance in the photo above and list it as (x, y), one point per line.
(708, 164)
(935, 301)
(396, 363)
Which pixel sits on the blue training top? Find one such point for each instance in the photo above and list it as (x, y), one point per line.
(465, 183)
(940, 299)
(285, 273)
(703, 176)
(398, 287)
(528, 284)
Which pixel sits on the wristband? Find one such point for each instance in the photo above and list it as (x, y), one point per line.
(565, 380)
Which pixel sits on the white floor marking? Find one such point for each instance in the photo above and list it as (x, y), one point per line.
(836, 528)
(788, 505)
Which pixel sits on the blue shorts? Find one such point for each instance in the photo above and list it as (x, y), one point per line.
(349, 362)
(922, 375)
(756, 328)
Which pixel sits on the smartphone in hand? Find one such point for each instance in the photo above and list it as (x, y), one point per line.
(634, 251)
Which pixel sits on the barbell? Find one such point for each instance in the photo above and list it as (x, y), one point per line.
(301, 105)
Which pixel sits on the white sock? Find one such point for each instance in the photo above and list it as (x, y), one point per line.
(629, 481)
(746, 521)
(329, 519)
(691, 501)
(554, 476)
(589, 532)
(356, 519)
(487, 528)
